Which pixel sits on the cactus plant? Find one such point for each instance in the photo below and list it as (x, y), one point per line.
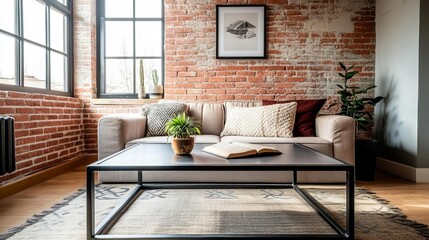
(155, 77)
(141, 73)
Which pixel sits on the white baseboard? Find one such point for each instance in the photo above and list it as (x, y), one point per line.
(418, 175)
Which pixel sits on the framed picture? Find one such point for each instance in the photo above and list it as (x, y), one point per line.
(240, 31)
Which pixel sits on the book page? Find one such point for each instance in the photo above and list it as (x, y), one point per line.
(257, 147)
(227, 150)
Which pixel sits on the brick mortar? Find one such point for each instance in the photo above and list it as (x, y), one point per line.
(48, 130)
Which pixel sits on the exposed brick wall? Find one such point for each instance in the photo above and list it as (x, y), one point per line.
(305, 40)
(48, 130)
(85, 66)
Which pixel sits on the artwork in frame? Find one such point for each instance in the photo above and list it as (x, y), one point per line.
(240, 31)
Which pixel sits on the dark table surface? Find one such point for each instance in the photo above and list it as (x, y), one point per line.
(161, 157)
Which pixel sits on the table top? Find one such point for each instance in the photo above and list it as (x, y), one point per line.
(157, 156)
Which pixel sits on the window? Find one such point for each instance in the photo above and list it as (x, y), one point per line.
(128, 31)
(36, 46)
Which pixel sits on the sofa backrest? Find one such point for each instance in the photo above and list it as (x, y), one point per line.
(210, 115)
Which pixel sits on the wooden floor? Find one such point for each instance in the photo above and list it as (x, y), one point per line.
(412, 198)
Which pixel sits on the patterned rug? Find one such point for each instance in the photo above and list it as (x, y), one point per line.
(186, 211)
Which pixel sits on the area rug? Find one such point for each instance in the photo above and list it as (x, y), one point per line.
(234, 211)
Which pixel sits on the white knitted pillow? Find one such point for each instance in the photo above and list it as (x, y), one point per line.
(266, 121)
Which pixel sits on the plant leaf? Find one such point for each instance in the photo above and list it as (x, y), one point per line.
(350, 67)
(377, 99)
(351, 74)
(370, 87)
(342, 66)
(340, 86)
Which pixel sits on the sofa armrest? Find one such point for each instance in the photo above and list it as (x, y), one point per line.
(114, 131)
(340, 131)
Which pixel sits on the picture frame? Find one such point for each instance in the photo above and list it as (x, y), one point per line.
(241, 31)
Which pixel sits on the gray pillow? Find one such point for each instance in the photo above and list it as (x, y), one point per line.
(158, 114)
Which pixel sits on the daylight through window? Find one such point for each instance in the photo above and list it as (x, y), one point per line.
(36, 44)
(129, 31)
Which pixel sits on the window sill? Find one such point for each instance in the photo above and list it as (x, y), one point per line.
(14, 88)
(111, 101)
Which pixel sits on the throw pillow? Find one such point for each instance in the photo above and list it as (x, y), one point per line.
(158, 114)
(265, 121)
(305, 117)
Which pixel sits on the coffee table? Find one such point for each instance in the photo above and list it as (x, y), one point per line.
(160, 157)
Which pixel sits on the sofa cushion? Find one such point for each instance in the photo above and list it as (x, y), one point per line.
(316, 143)
(265, 121)
(210, 115)
(158, 114)
(306, 113)
(163, 139)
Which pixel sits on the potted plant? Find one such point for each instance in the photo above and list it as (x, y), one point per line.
(353, 105)
(182, 128)
(140, 91)
(155, 90)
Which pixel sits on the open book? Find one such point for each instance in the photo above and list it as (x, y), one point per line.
(238, 149)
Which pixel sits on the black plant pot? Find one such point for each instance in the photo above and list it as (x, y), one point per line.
(365, 159)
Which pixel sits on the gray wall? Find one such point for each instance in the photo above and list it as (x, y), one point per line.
(423, 119)
(397, 78)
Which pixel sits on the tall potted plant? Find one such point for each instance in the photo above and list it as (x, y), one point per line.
(182, 128)
(354, 105)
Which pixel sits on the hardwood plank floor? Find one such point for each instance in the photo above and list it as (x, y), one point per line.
(411, 197)
(16, 209)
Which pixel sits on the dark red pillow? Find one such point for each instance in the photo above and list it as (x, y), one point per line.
(305, 117)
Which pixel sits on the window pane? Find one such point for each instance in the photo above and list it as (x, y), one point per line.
(148, 9)
(149, 39)
(7, 60)
(119, 39)
(58, 30)
(62, 2)
(119, 76)
(119, 8)
(58, 71)
(149, 65)
(34, 66)
(34, 21)
(7, 15)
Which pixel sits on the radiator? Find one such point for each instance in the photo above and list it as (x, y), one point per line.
(7, 145)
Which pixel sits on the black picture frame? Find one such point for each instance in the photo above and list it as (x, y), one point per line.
(241, 31)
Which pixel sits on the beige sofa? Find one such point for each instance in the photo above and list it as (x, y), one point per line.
(335, 137)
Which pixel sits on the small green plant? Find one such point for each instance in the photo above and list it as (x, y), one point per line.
(155, 77)
(141, 73)
(352, 104)
(182, 126)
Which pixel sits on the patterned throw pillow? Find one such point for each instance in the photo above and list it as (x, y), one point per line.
(158, 114)
(266, 121)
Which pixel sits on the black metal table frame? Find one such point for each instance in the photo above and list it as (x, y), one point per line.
(97, 232)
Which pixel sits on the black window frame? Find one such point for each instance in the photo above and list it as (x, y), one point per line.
(18, 36)
(101, 58)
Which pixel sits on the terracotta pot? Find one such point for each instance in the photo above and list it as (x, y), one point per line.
(182, 146)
